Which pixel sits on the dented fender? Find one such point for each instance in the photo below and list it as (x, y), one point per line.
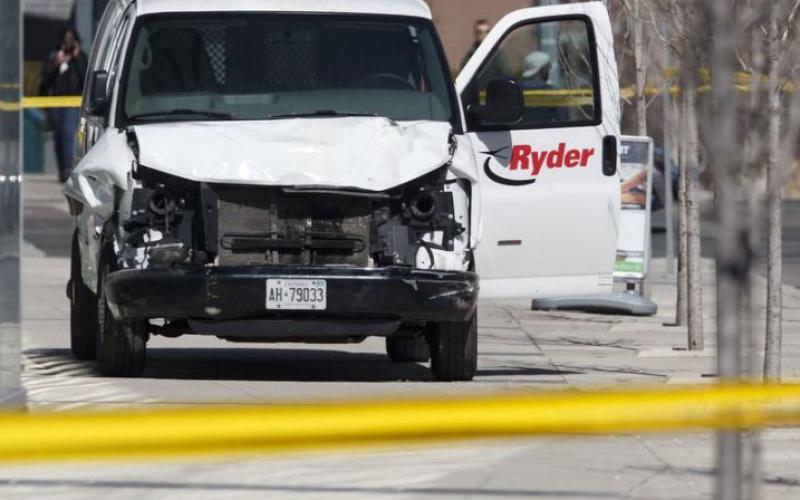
(464, 166)
(91, 188)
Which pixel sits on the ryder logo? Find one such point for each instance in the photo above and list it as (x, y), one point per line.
(526, 163)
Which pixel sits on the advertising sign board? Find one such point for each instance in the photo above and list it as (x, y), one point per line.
(633, 248)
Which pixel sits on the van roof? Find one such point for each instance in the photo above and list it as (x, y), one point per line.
(413, 8)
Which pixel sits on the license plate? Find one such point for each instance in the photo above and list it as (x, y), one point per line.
(296, 294)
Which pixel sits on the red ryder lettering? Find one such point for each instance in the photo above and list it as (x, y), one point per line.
(524, 157)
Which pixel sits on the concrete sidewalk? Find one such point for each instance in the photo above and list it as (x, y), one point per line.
(520, 350)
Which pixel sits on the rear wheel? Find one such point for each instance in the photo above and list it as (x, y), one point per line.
(122, 344)
(82, 309)
(454, 350)
(408, 349)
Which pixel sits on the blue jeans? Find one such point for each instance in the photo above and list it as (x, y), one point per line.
(65, 130)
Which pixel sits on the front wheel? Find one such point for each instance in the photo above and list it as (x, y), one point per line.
(454, 350)
(82, 309)
(121, 344)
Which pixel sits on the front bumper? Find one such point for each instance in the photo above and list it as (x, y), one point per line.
(232, 293)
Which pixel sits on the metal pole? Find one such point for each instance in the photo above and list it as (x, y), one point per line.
(11, 393)
(84, 23)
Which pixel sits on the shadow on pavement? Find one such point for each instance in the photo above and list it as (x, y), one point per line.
(248, 364)
(266, 364)
(510, 371)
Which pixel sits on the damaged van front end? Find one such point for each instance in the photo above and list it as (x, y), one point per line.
(287, 237)
(273, 175)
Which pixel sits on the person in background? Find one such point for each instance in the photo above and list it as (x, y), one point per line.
(536, 76)
(64, 74)
(482, 29)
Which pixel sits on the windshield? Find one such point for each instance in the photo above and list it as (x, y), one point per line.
(262, 66)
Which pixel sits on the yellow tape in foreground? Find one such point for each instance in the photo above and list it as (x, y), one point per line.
(252, 430)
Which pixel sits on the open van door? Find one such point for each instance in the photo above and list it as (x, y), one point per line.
(548, 178)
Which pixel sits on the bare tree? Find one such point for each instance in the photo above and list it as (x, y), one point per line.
(772, 354)
(641, 68)
(682, 301)
(779, 41)
(694, 277)
(680, 37)
(733, 255)
(752, 176)
(756, 36)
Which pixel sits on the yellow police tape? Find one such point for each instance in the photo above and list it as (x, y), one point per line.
(254, 430)
(9, 106)
(52, 102)
(533, 98)
(41, 103)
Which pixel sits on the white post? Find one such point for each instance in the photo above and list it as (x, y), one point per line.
(10, 169)
(84, 23)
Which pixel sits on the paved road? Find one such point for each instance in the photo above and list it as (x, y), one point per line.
(791, 240)
(520, 350)
(791, 243)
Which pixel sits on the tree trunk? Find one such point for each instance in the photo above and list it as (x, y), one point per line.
(694, 262)
(775, 177)
(641, 70)
(670, 124)
(733, 257)
(682, 304)
(753, 176)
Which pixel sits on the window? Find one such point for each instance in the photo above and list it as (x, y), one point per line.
(102, 45)
(106, 31)
(260, 66)
(554, 64)
(115, 55)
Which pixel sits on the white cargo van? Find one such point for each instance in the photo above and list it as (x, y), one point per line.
(306, 171)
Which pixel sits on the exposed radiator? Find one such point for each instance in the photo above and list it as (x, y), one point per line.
(267, 226)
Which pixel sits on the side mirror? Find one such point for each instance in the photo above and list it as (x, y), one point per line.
(504, 103)
(98, 92)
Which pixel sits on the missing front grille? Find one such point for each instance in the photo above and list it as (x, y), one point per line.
(260, 226)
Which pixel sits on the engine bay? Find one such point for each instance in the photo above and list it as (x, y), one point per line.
(169, 221)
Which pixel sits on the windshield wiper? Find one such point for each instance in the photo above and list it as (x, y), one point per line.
(322, 112)
(175, 113)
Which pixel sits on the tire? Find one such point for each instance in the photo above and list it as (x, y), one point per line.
(408, 349)
(121, 349)
(454, 350)
(82, 310)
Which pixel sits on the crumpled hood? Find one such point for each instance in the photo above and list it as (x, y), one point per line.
(373, 154)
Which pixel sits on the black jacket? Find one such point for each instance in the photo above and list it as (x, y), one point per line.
(70, 82)
(470, 53)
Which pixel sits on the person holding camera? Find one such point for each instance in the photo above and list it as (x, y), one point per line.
(64, 74)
